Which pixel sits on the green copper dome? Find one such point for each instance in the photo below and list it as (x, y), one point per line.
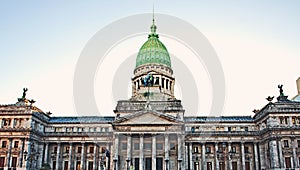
(153, 51)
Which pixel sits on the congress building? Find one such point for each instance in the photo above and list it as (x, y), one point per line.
(150, 130)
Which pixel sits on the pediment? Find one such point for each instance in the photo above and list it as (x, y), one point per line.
(146, 118)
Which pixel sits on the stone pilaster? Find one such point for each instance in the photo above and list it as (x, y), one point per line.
(21, 153)
(281, 158)
(9, 160)
(28, 153)
(273, 154)
(295, 160)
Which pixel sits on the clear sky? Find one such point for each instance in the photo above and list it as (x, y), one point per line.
(257, 43)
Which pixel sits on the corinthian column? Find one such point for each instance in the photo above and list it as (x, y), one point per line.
(46, 152)
(167, 148)
(229, 156)
(82, 164)
(294, 143)
(216, 156)
(141, 163)
(95, 157)
(128, 151)
(243, 156)
(153, 152)
(179, 142)
(256, 155)
(191, 155)
(116, 152)
(58, 156)
(70, 156)
(203, 162)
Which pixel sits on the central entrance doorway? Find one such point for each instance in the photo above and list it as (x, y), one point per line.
(159, 164)
(148, 163)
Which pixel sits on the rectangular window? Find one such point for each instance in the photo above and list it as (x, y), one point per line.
(172, 146)
(79, 149)
(229, 129)
(91, 150)
(208, 149)
(220, 149)
(298, 142)
(147, 146)
(14, 162)
(124, 146)
(246, 129)
(136, 146)
(55, 149)
(286, 143)
(246, 149)
(233, 149)
(66, 165)
(293, 120)
(159, 146)
(4, 143)
(54, 165)
(196, 149)
(16, 145)
(67, 149)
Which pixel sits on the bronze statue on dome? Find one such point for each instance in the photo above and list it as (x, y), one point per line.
(280, 89)
(24, 92)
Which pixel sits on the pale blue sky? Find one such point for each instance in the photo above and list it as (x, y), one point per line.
(41, 39)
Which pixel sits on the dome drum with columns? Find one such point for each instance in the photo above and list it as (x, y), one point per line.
(153, 58)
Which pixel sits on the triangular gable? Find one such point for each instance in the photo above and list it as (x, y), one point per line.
(146, 117)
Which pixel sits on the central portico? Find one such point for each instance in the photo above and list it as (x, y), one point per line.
(149, 127)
